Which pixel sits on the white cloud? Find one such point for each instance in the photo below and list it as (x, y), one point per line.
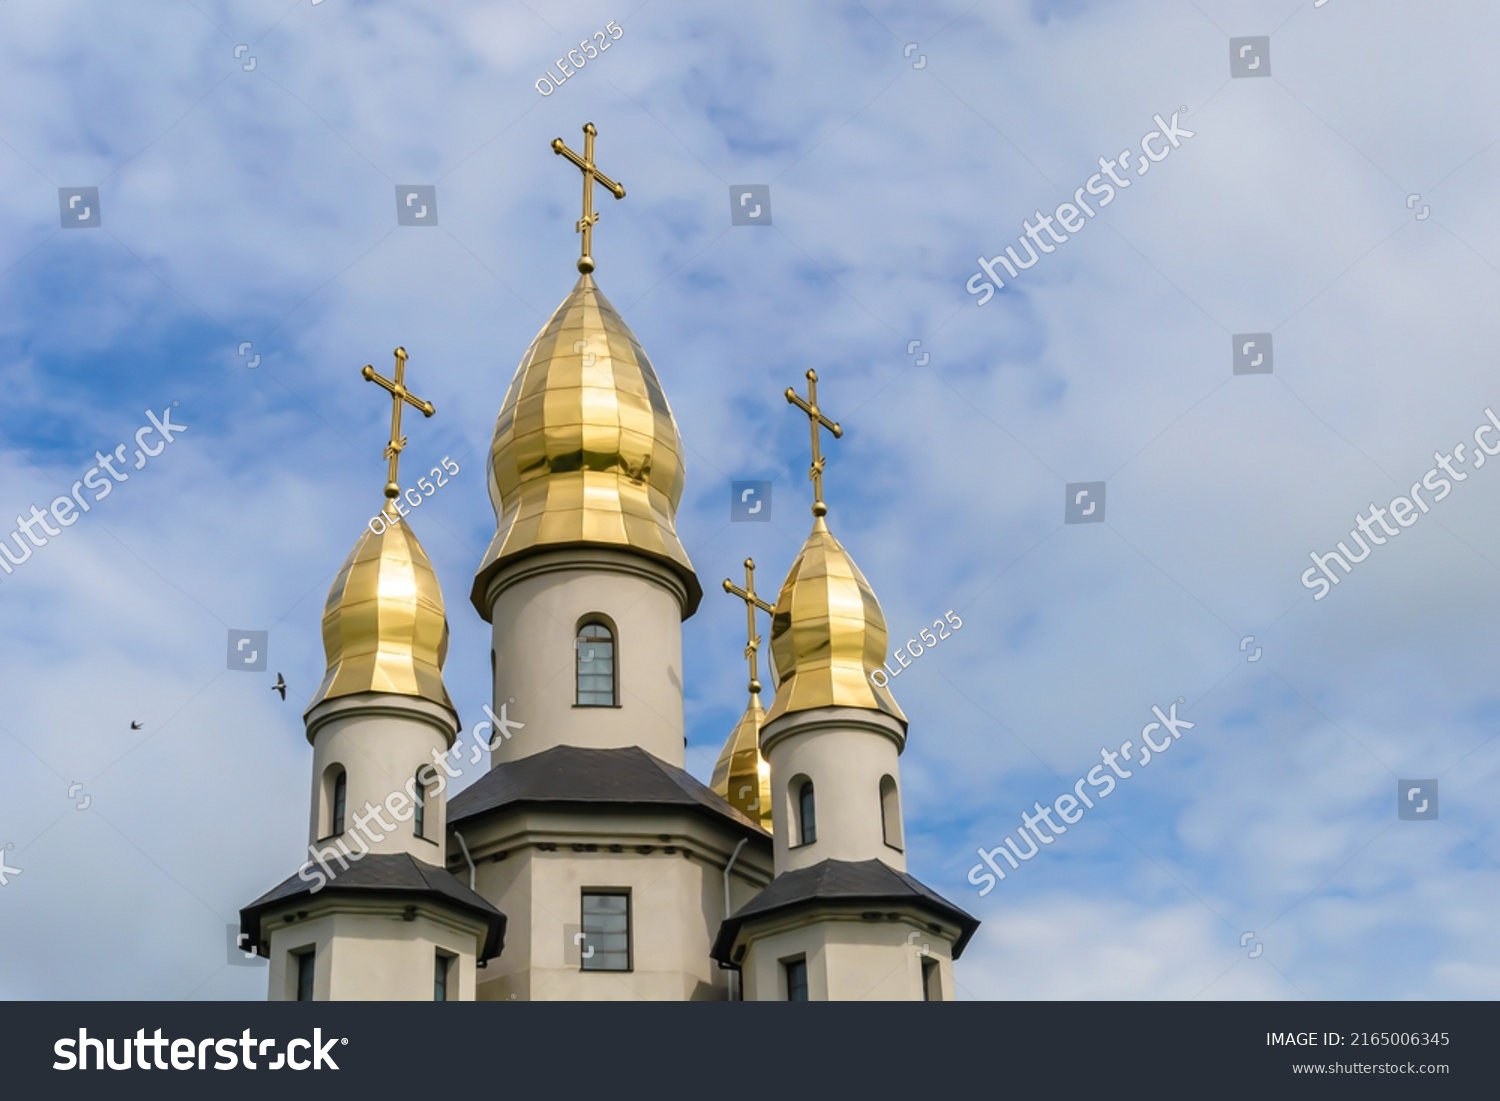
(258, 206)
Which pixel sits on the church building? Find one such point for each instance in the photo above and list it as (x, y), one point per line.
(587, 863)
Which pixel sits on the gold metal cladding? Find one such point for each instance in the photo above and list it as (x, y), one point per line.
(586, 450)
(815, 418)
(828, 633)
(384, 629)
(741, 774)
(400, 396)
(591, 174)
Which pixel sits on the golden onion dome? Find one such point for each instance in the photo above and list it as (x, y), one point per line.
(586, 451)
(741, 775)
(828, 633)
(384, 627)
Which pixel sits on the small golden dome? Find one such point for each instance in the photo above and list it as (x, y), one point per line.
(586, 450)
(741, 775)
(384, 628)
(828, 633)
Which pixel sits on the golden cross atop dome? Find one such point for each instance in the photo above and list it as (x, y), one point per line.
(815, 418)
(747, 594)
(591, 174)
(400, 396)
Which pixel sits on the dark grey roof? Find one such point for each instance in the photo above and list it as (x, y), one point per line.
(571, 775)
(379, 873)
(866, 883)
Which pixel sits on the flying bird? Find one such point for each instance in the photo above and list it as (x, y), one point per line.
(280, 685)
(134, 725)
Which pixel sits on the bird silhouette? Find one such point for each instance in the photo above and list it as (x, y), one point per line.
(134, 725)
(280, 685)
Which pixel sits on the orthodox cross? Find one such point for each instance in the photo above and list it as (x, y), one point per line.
(591, 174)
(815, 419)
(400, 396)
(747, 594)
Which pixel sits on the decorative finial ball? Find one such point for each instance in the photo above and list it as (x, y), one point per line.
(585, 264)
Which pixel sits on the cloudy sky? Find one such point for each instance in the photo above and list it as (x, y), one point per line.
(245, 260)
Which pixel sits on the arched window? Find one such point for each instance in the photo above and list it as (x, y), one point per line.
(594, 651)
(890, 812)
(807, 819)
(331, 805)
(419, 807)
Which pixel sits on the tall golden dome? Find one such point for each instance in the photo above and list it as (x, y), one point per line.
(585, 450)
(741, 775)
(828, 633)
(384, 627)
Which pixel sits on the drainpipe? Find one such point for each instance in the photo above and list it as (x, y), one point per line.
(732, 858)
(470, 859)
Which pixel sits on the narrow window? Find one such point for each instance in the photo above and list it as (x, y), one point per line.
(931, 990)
(606, 931)
(807, 819)
(595, 651)
(796, 979)
(305, 961)
(331, 798)
(442, 964)
(890, 812)
(419, 810)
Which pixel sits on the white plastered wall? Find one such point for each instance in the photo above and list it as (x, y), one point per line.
(845, 752)
(536, 606)
(676, 889)
(367, 950)
(849, 957)
(381, 741)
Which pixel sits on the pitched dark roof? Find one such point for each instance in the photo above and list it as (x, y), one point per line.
(395, 874)
(866, 883)
(570, 775)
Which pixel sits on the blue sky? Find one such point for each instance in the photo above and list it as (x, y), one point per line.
(257, 205)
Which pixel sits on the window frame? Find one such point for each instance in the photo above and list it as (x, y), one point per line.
(890, 813)
(805, 800)
(932, 979)
(307, 964)
(787, 966)
(333, 806)
(600, 620)
(609, 892)
(442, 975)
(419, 807)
